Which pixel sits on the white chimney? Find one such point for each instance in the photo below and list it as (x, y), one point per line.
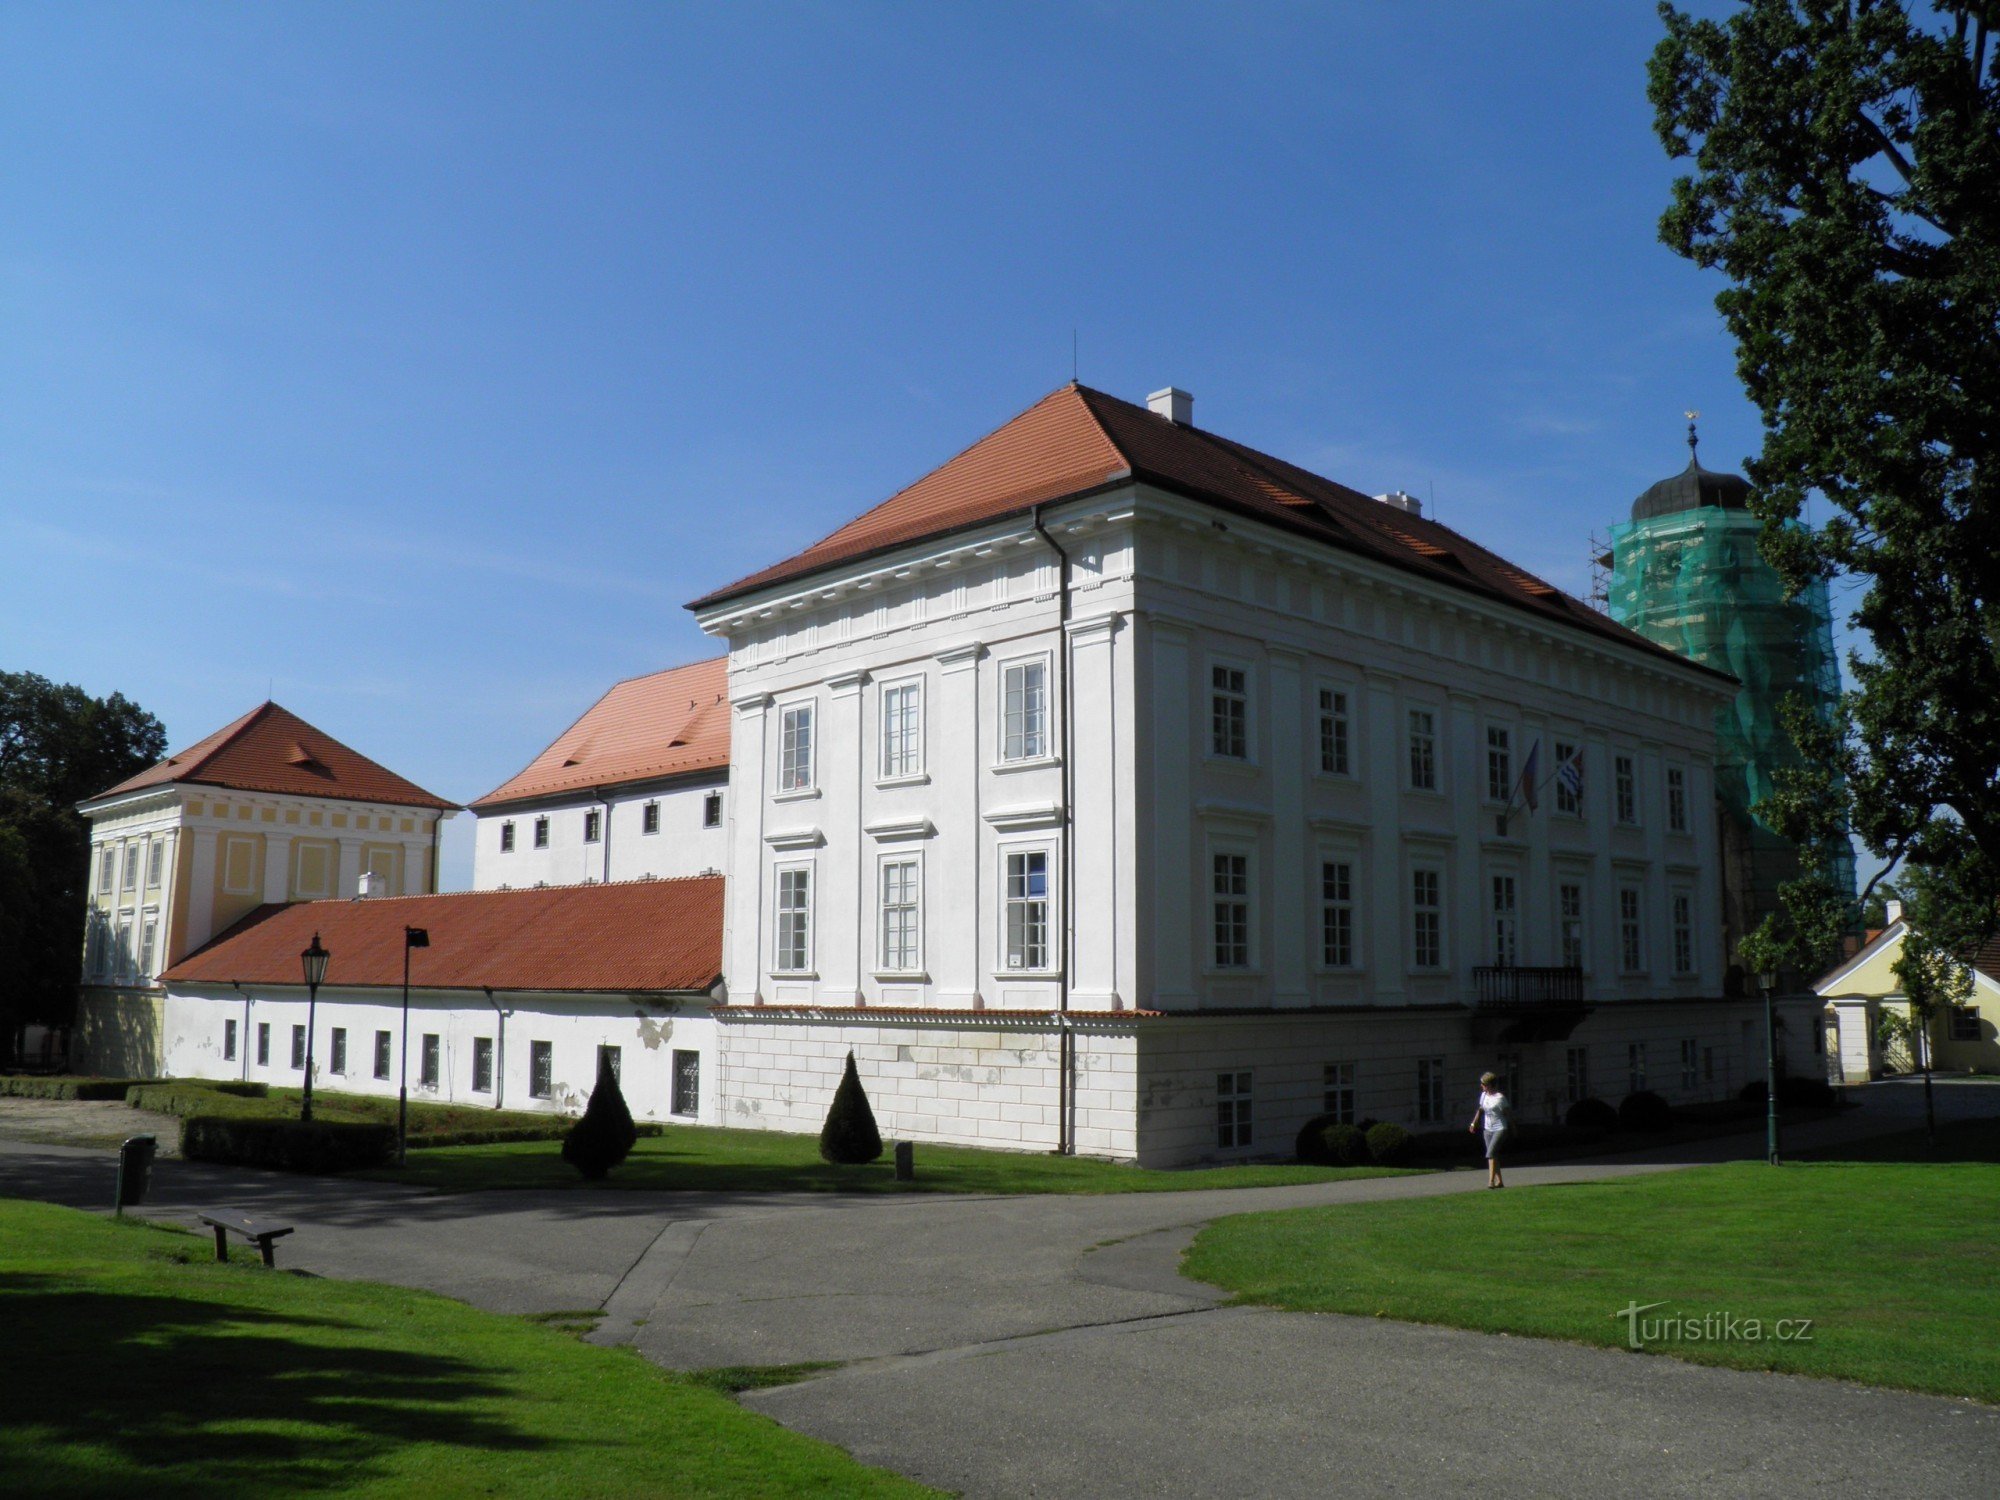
(1410, 505)
(366, 887)
(1893, 911)
(1173, 403)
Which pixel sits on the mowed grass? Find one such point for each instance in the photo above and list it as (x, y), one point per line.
(141, 1367)
(1898, 1265)
(692, 1158)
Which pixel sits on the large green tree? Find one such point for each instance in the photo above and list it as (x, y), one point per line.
(1846, 182)
(58, 746)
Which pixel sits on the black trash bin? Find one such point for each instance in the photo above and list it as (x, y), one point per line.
(135, 1170)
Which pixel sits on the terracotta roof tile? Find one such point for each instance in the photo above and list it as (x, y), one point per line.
(666, 724)
(271, 749)
(642, 936)
(1077, 439)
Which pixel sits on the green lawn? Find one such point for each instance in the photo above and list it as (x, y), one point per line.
(143, 1368)
(1898, 1265)
(700, 1158)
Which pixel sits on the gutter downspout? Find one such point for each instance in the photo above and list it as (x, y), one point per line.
(604, 796)
(1066, 1069)
(499, 1050)
(437, 856)
(243, 1045)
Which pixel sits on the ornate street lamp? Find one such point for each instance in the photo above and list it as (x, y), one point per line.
(413, 937)
(313, 961)
(1768, 982)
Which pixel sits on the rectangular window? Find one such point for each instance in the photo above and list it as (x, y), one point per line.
(149, 937)
(239, 866)
(901, 893)
(1690, 1065)
(1964, 1023)
(1426, 920)
(541, 1070)
(686, 1098)
(338, 1062)
(107, 869)
(1336, 914)
(794, 951)
(1569, 913)
(711, 810)
(429, 1072)
(1027, 916)
(1504, 911)
(593, 826)
(1683, 933)
(1677, 799)
(506, 838)
(299, 1048)
(1230, 888)
(1579, 1074)
(482, 1065)
(1232, 1110)
(541, 833)
(1025, 711)
(1631, 939)
(1635, 1067)
(795, 748)
(1333, 732)
(382, 1048)
(122, 959)
(229, 1041)
(1423, 750)
(1569, 779)
(902, 739)
(649, 818)
(1228, 713)
(1499, 764)
(1625, 784)
(131, 867)
(614, 1059)
(1338, 1100)
(156, 859)
(263, 1044)
(1430, 1090)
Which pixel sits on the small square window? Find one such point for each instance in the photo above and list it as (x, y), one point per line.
(541, 833)
(506, 838)
(649, 818)
(711, 810)
(593, 826)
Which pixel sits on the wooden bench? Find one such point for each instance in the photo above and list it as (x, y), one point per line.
(263, 1235)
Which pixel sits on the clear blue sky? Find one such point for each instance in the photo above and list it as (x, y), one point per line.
(416, 363)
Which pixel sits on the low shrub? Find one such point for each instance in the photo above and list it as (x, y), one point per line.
(605, 1135)
(287, 1145)
(1388, 1144)
(1591, 1114)
(1807, 1093)
(1645, 1112)
(43, 1086)
(849, 1137)
(184, 1098)
(1309, 1146)
(1345, 1146)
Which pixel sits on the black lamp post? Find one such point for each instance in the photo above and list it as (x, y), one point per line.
(413, 937)
(1768, 982)
(313, 960)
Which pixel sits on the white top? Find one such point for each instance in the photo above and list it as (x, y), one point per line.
(1497, 1110)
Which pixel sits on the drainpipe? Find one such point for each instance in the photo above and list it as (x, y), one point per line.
(499, 1050)
(604, 796)
(243, 1042)
(1066, 1039)
(437, 830)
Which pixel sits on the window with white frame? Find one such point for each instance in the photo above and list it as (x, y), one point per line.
(1690, 1065)
(1423, 750)
(1631, 936)
(1579, 1074)
(1503, 911)
(593, 825)
(1635, 1067)
(1338, 1098)
(1683, 933)
(298, 1048)
(1499, 763)
(107, 868)
(610, 1058)
(1430, 1090)
(384, 1043)
(686, 1096)
(1026, 925)
(1964, 1023)
(121, 951)
(429, 1066)
(482, 1065)
(541, 833)
(149, 936)
(1569, 779)
(131, 867)
(902, 729)
(229, 1041)
(1230, 907)
(1333, 742)
(793, 951)
(795, 748)
(1426, 919)
(1569, 917)
(1024, 710)
(339, 1059)
(541, 1070)
(156, 859)
(711, 810)
(506, 838)
(1625, 789)
(1677, 799)
(263, 1044)
(1336, 913)
(1233, 1093)
(902, 895)
(649, 818)
(1228, 712)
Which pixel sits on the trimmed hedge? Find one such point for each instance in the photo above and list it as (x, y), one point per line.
(849, 1136)
(1591, 1114)
(1388, 1144)
(184, 1098)
(557, 1129)
(288, 1145)
(1645, 1112)
(1309, 1146)
(45, 1087)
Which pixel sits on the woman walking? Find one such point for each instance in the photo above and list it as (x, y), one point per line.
(1495, 1114)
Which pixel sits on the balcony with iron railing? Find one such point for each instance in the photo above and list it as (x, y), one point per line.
(1507, 985)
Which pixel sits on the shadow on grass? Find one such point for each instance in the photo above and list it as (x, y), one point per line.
(185, 1396)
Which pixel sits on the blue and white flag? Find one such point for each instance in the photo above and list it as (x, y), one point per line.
(1570, 774)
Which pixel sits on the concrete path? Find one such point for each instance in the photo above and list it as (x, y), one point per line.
(1047, 1346)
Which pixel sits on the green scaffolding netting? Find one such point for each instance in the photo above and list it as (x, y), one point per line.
(1695, 582)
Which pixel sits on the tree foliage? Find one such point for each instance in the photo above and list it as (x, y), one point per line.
(849, 1136)
(1846, 182)
(605, 1135)
(58, 747)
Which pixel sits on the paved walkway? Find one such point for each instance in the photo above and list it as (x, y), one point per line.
(1047, 1346)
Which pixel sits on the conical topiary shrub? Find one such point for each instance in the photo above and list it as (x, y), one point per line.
(849, 1136)
(604, 1136)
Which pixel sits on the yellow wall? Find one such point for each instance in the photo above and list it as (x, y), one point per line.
(1876, 978)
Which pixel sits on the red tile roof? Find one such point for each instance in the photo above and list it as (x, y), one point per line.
(271, 749)
(640, 936)
(665, 724)
(1076, 440)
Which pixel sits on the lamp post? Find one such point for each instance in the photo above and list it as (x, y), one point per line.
(413, 937)
(313, 960)
(1768, 982)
